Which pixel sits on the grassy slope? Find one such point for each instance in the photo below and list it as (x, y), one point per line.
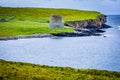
(25, 71)
(35, 20)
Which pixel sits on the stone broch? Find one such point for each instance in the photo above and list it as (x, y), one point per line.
(56, 21)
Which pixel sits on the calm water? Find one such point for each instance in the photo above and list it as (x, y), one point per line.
(94, 52)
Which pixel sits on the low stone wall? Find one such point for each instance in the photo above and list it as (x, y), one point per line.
(3, 19)
(98, 22)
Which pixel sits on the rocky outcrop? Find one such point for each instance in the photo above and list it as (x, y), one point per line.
(91, 27)
(91, 23)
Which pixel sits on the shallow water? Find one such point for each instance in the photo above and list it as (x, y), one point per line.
(94, 52)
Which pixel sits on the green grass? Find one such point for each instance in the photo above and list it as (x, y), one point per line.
(35, 20)
(26, 71)
(43, 14)
(14, 28)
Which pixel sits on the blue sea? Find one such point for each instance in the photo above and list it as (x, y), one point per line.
(91, 52)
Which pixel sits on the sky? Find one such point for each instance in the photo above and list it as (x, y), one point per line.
(103, 6)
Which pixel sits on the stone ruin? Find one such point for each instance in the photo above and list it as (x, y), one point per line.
(56, 21)
(9, 17)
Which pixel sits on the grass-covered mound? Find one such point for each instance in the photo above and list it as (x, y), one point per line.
(26, 71)
(26, 21)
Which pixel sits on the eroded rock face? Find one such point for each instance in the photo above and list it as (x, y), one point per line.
(98, 22)
(56, 21)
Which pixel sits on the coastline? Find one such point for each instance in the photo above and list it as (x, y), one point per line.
(48, 36)
(72, 34)
(76, 33)
(26, 36)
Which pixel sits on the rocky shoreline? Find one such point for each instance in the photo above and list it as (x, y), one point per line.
(26, 36)
(73, 34)
(85, 32)
(93, 23)
(76, 33)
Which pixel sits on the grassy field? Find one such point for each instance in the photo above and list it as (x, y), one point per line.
(14, 28)
(26, 71)
(27, 21)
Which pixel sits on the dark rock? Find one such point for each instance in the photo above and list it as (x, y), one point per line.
(73, 34)
(104, 36)
(99, 31)
(68, 34)
(96, 34)
(105, 26)
(3, 20)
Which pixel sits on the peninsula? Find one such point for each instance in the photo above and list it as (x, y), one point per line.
(16, 23)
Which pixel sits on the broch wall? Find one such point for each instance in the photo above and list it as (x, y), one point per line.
(56, 21)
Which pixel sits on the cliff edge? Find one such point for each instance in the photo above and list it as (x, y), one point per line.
(99, 22)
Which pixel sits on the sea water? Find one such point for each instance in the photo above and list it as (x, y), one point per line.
(93, 52)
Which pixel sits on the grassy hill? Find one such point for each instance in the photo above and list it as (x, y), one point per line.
(26, 21)
(26, 71)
